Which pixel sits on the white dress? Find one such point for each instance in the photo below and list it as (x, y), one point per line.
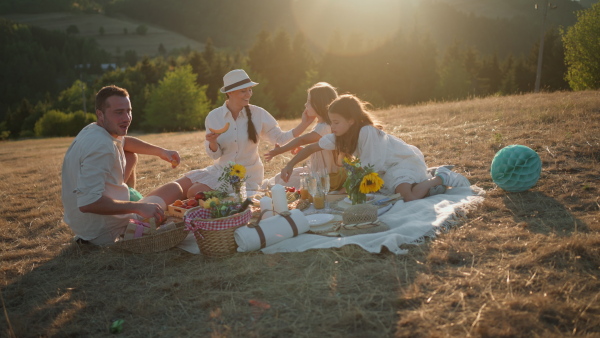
(394, 160)
(317, 162)
(234, 145)
(324, 158)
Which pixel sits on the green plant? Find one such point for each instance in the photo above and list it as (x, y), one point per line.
(582, 50)
(498, 138)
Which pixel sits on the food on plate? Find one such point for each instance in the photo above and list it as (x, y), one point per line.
(303, 204)
(291, 196)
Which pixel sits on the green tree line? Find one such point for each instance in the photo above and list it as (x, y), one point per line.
(176, 91)
(36, 65)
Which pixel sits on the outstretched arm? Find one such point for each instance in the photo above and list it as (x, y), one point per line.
(301, 127)
(107, 206)
(135, 145)
(286, 172)
(311, 137)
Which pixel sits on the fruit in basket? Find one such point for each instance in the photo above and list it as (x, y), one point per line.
(200, 196)
(177, 203)
(290, 189)
(211, 202)
(220, 131)
(303, 204)
(292, 196)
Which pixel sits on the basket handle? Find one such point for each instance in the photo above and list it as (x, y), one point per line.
(261, 234)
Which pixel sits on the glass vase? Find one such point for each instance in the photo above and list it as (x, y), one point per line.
(357, 197)
(239, 192)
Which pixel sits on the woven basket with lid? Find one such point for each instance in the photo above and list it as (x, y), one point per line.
(360, 213)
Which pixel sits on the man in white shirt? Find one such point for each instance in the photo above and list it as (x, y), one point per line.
(97, 167)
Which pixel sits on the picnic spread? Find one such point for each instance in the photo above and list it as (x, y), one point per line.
(398, 224)
(283, 219)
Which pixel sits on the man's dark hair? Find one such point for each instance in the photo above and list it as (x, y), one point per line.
(107, 92)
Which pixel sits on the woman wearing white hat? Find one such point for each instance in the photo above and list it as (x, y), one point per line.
(239, 143)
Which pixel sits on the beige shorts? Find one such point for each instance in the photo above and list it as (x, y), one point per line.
(111, 234)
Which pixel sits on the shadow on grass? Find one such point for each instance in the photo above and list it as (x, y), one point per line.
(333, 292)
(543, 214)
(80, 292)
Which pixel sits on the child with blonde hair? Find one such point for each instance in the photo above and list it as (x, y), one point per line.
(401, 165)
(318, 99)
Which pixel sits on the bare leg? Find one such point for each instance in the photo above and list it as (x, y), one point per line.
(169, 192)
(130, 166)
(191, 189)
(411, 192)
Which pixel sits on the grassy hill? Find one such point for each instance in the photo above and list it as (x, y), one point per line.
(113, 40)
(521, 265)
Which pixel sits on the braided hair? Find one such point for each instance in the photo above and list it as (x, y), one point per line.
(251, 129)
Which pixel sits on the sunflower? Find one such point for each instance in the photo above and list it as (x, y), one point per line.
(211, 202)
(354, 162)
(238, 170)
(370, 183)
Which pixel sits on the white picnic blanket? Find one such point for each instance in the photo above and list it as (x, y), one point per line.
(409, 223)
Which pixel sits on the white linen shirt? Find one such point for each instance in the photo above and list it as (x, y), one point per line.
(393, 159)
(94, 166)
(234, 145)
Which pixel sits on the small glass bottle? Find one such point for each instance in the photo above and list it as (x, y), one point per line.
(304, 194)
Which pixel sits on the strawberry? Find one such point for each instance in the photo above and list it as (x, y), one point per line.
(290, 189)
(200, 196)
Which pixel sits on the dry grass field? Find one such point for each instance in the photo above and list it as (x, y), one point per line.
(114, 40)
(522, 265)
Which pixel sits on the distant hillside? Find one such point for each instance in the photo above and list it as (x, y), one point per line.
(503, 26)
(114, 40)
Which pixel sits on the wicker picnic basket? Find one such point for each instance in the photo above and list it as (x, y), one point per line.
(159, 241)
(215, 235)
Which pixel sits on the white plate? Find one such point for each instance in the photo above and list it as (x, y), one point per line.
(318, 219)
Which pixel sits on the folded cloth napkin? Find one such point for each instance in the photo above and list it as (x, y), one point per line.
(275, 229)
(136, 229)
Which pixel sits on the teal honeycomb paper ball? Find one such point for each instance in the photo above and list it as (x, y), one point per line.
(516, 168)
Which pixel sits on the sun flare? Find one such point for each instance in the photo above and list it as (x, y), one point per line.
(353, 27)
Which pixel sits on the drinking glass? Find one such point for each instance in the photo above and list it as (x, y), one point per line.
(325, 182)
(319, 194)
(325, 186)
(313, 184)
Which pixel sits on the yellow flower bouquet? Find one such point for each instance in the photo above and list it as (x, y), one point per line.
(360, 181)
(234, 176)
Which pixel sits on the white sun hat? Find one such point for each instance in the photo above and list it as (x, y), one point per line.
(236, 79)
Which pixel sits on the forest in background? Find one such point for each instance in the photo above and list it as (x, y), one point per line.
(468, 56)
